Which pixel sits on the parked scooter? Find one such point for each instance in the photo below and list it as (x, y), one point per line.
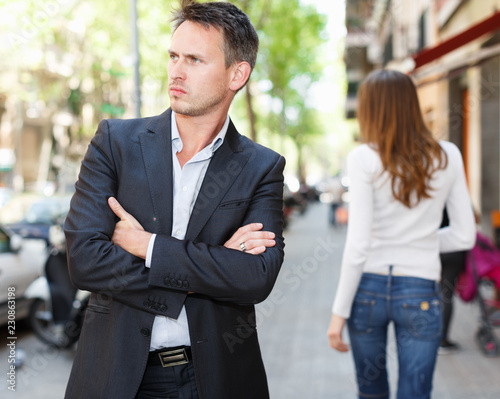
(56, 314)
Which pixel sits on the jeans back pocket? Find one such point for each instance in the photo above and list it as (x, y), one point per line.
(360, 321)
(423, 317)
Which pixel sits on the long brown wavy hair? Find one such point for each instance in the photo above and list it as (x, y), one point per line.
(391, 122)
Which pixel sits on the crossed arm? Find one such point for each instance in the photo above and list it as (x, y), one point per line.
(116, 271)
(131, 236)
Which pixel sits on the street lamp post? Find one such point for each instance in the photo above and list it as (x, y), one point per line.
(135, 56)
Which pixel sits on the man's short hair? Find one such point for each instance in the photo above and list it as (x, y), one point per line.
(241, 42)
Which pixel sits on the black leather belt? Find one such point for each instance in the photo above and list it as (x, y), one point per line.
(168, 357)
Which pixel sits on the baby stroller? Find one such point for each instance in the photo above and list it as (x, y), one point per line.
(481, 281)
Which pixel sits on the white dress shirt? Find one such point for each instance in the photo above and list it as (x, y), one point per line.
(168, 332)
(383, 232)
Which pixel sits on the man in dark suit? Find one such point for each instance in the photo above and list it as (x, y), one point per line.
(176, 230)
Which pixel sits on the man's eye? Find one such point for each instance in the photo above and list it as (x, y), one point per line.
(196, 60)
(173, 57)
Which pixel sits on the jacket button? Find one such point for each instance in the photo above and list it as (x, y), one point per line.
(173, 283)
(147, 304)
(185, 284)
(145, 332)
(166, 281)
(163, 308)
(179, 283)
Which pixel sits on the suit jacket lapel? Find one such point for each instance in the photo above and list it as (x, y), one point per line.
(156, 147)
(225, 166)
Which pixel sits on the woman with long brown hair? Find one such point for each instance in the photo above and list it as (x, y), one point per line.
(401, 179)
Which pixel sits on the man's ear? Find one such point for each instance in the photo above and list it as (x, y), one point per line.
(242, 72)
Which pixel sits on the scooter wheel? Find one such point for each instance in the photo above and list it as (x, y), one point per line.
(43, 326)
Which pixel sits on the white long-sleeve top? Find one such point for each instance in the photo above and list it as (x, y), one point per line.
(382, 231)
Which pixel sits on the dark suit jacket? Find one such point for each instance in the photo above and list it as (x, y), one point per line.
(132, 160)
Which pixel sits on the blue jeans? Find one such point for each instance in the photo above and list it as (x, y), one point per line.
(414, 306)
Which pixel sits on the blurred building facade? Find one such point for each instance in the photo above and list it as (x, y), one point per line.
(46, 121)
(452, 50)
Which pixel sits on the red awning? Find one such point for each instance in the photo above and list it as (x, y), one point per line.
(427, 55)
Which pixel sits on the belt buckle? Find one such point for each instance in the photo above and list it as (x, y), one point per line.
(174, 357)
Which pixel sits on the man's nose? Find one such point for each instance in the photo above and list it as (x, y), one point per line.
(176, 70)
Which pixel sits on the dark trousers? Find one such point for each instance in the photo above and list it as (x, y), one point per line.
(332, 217)
(175, 382)
(452, 264)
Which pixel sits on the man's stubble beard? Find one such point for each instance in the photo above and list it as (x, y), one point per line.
(199, 107)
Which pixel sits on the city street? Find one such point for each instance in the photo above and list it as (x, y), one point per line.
(390, 102)
(293, 323)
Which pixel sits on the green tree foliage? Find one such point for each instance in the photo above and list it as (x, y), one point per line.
(290, 58)
(66, 54)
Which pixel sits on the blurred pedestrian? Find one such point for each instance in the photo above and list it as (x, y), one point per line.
(174, 277)
(400, 180)
(452, 264)
(336, 190)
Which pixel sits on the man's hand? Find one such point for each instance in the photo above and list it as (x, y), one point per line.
(250, 239)
(335, 334)
(129, 234)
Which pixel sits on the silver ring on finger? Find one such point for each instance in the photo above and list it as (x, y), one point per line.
(242, 246)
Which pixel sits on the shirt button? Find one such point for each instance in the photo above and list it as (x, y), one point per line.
(178, 232)
(184, 188)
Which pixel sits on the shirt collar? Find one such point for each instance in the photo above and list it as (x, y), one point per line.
(214, 145)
